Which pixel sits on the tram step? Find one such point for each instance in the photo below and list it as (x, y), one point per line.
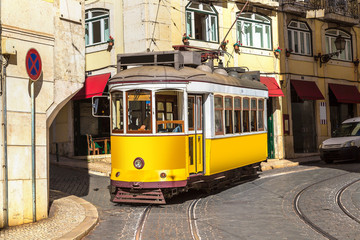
(154, 196)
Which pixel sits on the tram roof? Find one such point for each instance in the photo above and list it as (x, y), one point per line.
(157, 74)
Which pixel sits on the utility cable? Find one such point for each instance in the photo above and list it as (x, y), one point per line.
(157, 14)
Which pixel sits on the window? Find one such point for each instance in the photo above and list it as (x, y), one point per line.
(117, 112)
(253, 120)
(96, 26)
(254, 30)
(139, 111)
(299, 38)
(246, 108)
(261, 114)
(191, 112)
(330, 36)
(168, 114)
(201, 22)
(228, 115)
(237, 115)
(218, 102)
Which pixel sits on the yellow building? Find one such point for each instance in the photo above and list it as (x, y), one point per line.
(114, 27)
(289, 44)
(320, 83)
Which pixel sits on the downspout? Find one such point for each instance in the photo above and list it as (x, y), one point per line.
(5, 166)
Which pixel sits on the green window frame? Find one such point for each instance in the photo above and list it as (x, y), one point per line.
(97, 26)
(254, 30)
(201, 22)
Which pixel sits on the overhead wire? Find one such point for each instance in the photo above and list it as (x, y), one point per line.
(155, 22)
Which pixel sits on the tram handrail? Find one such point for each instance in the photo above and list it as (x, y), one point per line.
(165, 122)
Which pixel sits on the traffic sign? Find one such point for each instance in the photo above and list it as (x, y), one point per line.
(33, 64)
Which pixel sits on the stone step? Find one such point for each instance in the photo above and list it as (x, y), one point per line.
(276, 163)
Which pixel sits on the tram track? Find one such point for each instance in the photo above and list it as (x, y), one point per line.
(304, 217)
(339, 202)
(192, 219)
(142, 222)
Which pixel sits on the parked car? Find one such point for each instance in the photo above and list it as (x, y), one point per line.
(344, 143)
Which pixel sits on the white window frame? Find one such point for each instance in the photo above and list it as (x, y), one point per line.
(211, 35)
(90, 20)
(330, 36)
(301, 28)
(266, 41)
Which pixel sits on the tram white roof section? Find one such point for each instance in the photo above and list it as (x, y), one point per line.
(167, 74)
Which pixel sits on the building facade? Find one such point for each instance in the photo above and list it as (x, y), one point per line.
(55, 28)
(291, 43)
(320, 83)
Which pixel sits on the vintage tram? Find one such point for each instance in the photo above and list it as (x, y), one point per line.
(177, 124)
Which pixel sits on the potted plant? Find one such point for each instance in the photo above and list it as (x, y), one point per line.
(110, 41)
(185, 39)
(288, 52)
(356, 62)
(223, 44)
(237, 46)
(277, 51)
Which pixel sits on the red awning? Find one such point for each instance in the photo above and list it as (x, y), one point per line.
(273, 87)
(307, 90)
(345, 93)
(93, 86)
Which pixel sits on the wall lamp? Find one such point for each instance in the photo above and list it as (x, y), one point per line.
(340, 43)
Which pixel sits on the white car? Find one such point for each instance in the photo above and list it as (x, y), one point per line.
(345, 143)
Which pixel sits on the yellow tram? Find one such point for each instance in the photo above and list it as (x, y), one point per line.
(176, 126)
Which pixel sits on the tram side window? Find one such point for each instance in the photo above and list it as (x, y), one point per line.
(228, 115)
(218, 104)
(139, 111)
(253, 120)
(237, 115)
(169, 105)
(117, 112)
(261, 114)
(246, 117)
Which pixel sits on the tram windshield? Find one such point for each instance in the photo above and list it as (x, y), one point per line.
(169, 112)
(139, 111)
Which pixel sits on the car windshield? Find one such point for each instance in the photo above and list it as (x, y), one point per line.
(348, 129)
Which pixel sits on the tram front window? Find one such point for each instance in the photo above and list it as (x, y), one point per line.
(169, 113)
(139, 111)
(117, 112)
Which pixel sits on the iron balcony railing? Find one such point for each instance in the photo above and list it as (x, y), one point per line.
(347, 8)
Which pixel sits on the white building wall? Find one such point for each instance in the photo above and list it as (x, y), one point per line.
(36, 24)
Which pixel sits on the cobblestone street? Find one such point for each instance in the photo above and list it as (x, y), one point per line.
(258, 209)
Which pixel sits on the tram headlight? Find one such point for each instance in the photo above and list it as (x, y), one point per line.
(139, 163)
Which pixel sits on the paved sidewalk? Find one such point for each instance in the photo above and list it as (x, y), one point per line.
(70, 217)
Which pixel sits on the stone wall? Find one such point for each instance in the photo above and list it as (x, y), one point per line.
(59, 40)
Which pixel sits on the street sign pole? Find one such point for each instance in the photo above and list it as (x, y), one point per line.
(33, 69)
(33, 148)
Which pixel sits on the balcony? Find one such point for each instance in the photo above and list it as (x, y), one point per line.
(297, 7)
(343, 11)
(340, 11)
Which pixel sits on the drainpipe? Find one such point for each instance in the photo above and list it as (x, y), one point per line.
(5, 166)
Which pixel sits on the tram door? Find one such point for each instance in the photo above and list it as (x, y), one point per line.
(195, 120)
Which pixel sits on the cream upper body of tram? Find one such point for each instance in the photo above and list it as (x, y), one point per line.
(169, 125)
